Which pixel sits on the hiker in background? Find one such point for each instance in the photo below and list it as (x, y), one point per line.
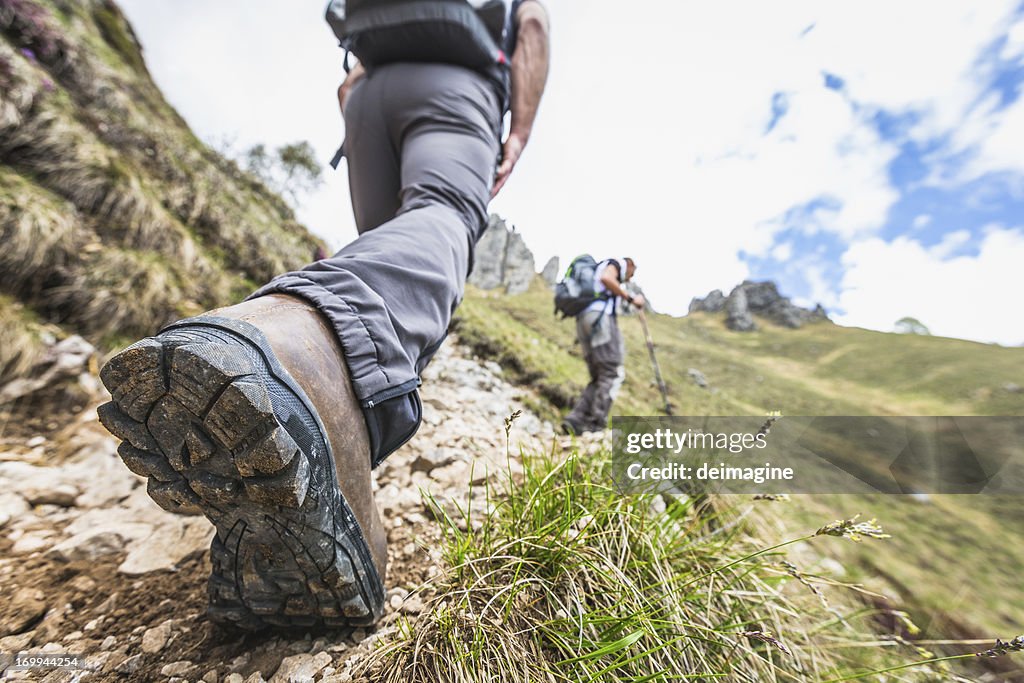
(268, 415)
(597, 329)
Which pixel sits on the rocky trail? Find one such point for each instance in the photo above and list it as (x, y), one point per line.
(91, 566)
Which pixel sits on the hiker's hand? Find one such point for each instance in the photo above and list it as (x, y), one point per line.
(345, 89)
(510, 153)
(639, 301)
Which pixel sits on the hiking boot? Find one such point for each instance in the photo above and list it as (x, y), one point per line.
(246, 415)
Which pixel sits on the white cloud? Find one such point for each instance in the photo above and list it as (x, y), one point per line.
(949, 243)
(965, 296)
(782, 251)
(996, 136)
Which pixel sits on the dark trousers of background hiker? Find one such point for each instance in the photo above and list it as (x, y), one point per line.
(604, 351)
(422, 145)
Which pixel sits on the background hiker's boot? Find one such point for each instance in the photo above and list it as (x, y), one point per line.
(246, 414)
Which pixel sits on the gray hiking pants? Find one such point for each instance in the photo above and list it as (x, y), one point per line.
(422, 144)
(604, 351)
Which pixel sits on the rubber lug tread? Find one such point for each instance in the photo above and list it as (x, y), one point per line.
(202, 418)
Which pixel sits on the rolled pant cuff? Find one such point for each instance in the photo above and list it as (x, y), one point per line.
(382, 375)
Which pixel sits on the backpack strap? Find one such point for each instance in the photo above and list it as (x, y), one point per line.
(338, 156)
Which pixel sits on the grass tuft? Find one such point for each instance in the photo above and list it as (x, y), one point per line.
(22, 339)
(561, 578)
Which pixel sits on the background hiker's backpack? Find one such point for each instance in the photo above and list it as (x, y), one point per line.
(468, 33)
(576, 290)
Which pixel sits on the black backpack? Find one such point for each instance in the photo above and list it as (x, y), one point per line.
(576, 290)
(467, 33)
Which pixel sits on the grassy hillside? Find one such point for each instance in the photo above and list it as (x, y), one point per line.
(821, 369)
(114, 218)
(954, 560)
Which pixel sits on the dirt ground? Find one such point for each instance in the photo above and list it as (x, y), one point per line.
(90, 566)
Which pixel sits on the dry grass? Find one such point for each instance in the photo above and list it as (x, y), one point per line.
(40, 233)
(22, 340)
(118, 291)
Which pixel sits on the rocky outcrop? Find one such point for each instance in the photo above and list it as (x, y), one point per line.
(738, 313)
(551, 272)
(65, 360)
(712, 303)
(502, 259)
(761, 299)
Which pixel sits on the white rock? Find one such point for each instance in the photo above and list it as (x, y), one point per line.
(103, 478)
(108, 642)
(657, 506)
(88, 546)
(154, 639)
(301, 668)
(97, 661)
(234, 678)
(32, 542)
(432, 459)
(16, 643)
(394, 500)
(177, 668)
(456, 473)
(168, 545)
(432, 417)
(67, 358)
(239, 661)
(12, 505)
(412, 604)
(62, 494)
(130, 665)
(343, 677)
(398, 592)
(124, 523)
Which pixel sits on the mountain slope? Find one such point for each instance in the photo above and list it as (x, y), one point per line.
(819, 369)
(952, 557)
(114, 217)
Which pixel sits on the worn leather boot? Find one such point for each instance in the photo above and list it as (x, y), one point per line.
(246, 414)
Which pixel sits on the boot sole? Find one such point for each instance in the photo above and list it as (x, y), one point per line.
(207, 413)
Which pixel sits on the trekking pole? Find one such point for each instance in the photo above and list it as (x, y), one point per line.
(654, 362)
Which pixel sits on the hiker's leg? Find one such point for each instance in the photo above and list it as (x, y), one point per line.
(608, 363)
(391, 293)
(374, 164)
(579, 416)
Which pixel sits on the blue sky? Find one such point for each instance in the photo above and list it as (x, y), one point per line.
(868, 156)
(937, 206)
